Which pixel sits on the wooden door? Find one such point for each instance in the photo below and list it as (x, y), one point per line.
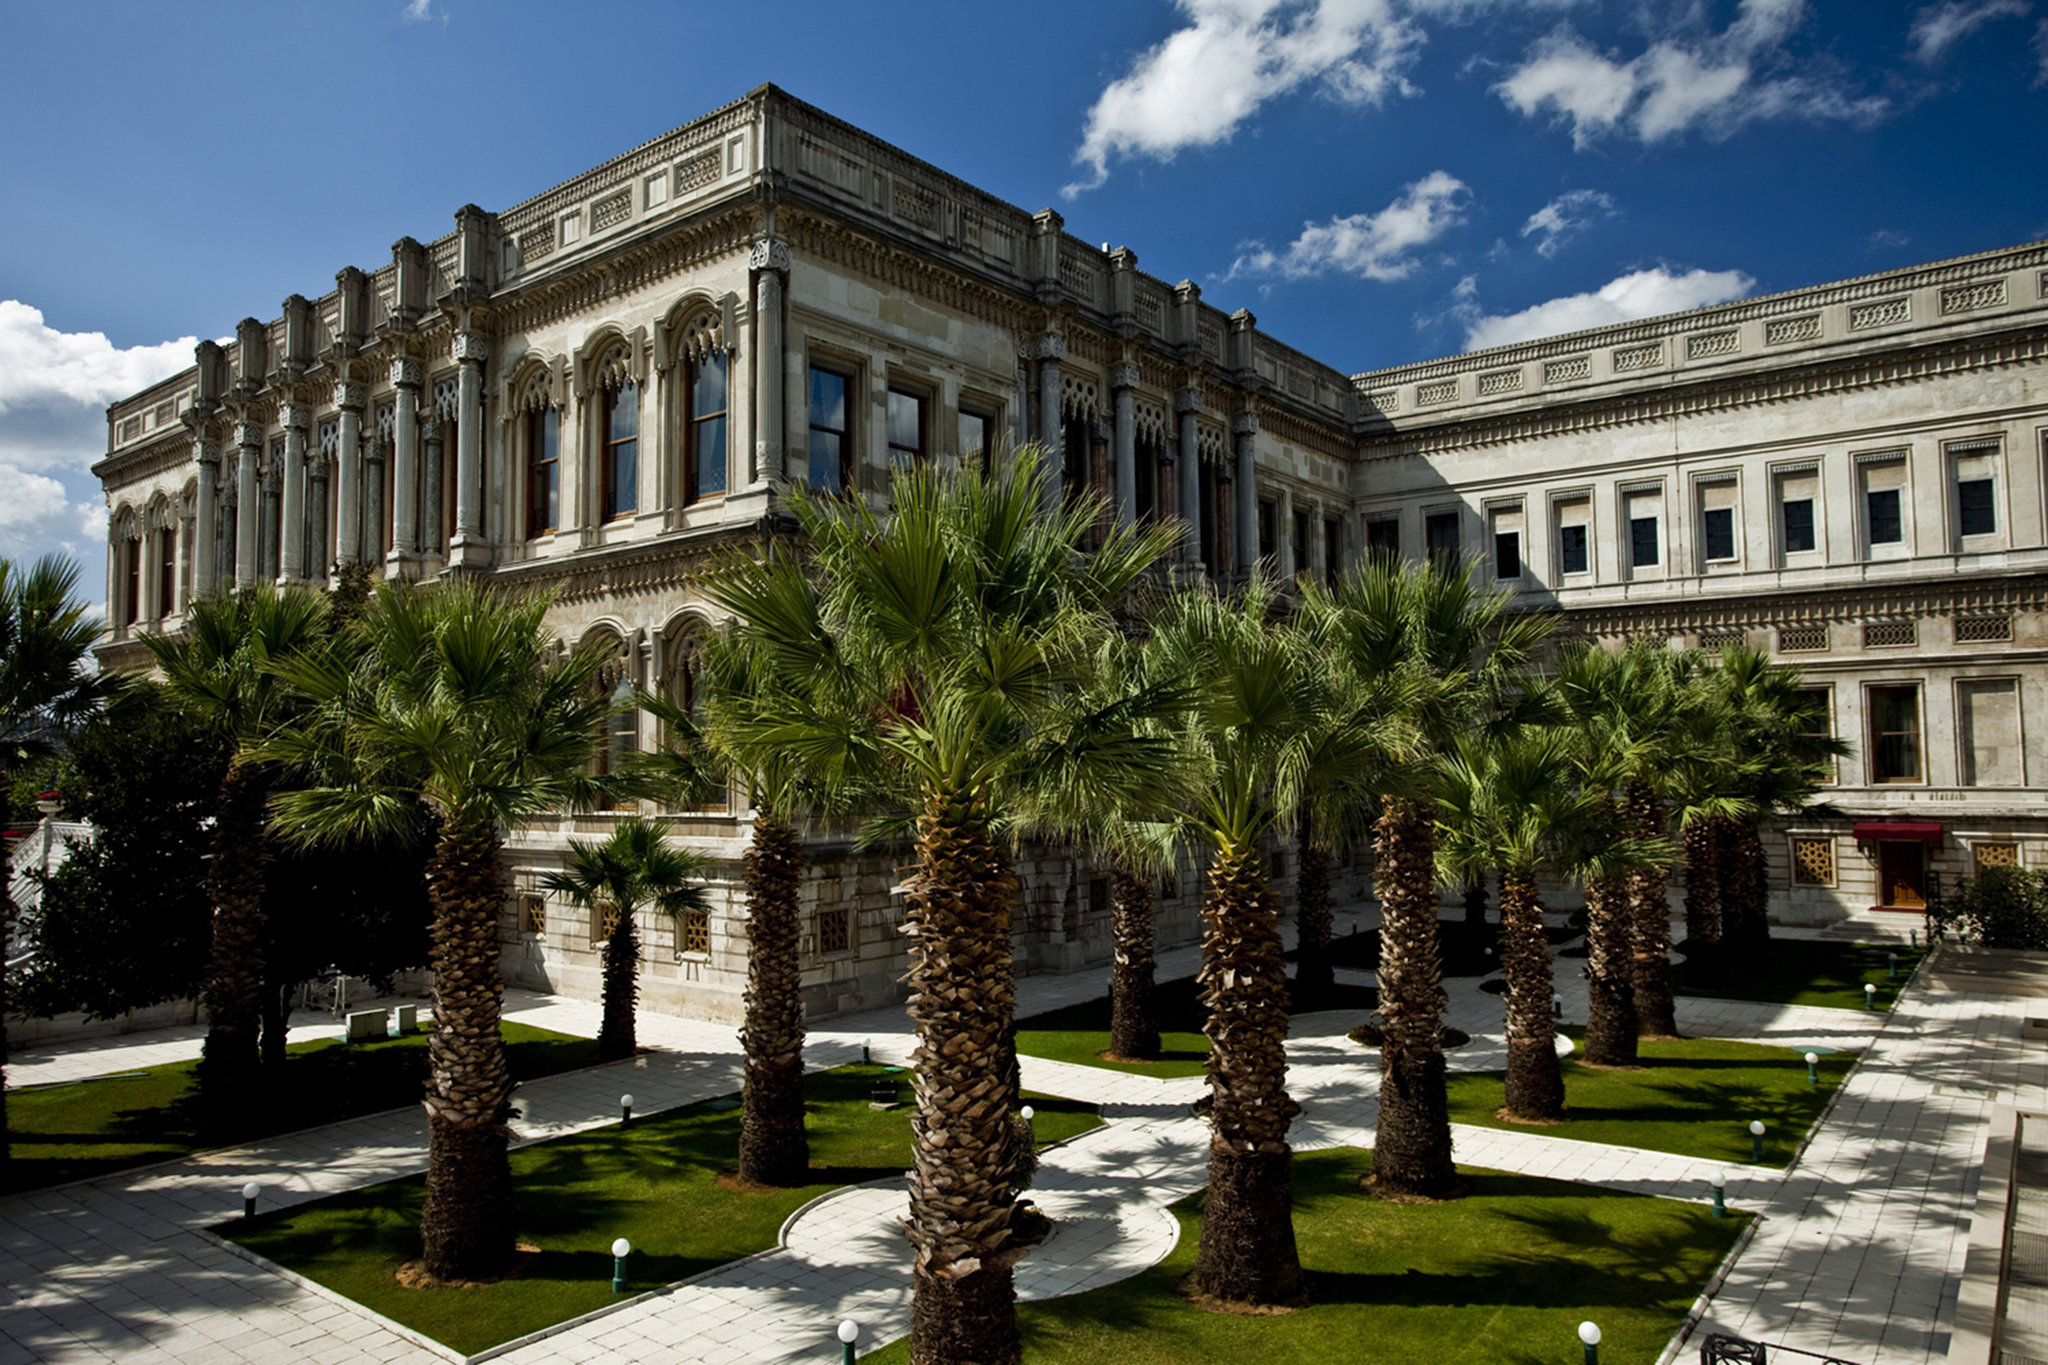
(1901, 874)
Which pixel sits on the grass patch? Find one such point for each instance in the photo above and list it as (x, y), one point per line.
(89, 1128)
(1080, 1033)
(1695, 1097)
(1506, 1274)
(1801, 971)
(654, 1183)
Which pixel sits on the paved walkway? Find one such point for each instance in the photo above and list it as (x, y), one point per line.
(1858, 1252)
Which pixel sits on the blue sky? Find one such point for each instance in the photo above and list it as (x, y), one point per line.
(1379, 180)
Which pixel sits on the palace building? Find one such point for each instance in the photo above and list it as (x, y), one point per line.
(597, 391)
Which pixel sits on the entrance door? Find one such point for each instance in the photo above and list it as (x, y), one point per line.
(1901, 874)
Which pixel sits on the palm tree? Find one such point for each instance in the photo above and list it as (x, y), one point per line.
(221, 670)
(635, 868)
(455, 696)
(1512, 802)
(1464, 659)
(45, 689)
(939, 653)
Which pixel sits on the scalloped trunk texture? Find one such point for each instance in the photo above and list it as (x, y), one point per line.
(1535, 1080)
(233, 991)
(1650, 922)
(1133, 1027)
(1610, 981)
(774, 1149)
(1412, 1147)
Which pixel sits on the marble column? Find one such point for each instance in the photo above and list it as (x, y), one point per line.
(467, 547)
(1245, 428)
(769, 260)
(373, 493)
(1165, 503)
(291, 567)
(1186, 404)
(1226, 513)
(315, 530)
(1283, 533)
(432, 519)
(248, 504)
(207, 452)
(1052, 349)
(1123, 382)
(405, 462)
(269, 536)
(348, 459)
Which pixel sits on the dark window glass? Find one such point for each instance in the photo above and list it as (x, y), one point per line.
(1886, 526)
(1267, 532)
(906, 429)
(166, 572)
(828, 430)
(1895, 734)
(1571, 549)
(543, 470)
(1719, 525)
(1440, 535)
(1642, 542)
(621, 450)
(1333, 548)
(973, 438)
(132, 608)
(1383, 537)
(1507, 554)
(1798, 514)
(1976, 513)
(708, 411)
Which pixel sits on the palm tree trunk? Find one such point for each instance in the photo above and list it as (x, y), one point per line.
(1247, 1253)
(469, 1227)
(1314, 978)
(6, 931)
(1133, 1031)
(1746, 925)
(1412, 1148)
(1535, 1081)
(963, 1001)
(1650, 922)
(1610, 989)
(276, 1024)
(774, 1149)
(617, 1037)
(234, 978)
(1703, 880)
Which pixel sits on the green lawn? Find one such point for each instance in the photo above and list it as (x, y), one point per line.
(1695, 1096)
(653, 1183)
(1809, 972)
(1504, 1275)
(1080, 1033)
(89, 1128)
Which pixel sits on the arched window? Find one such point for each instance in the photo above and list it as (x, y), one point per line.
(684, 657)
(706, 427)
(619, 461)
(127, 555)
(618, 735)
(543, 469)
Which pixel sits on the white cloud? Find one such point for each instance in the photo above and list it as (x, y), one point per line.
(54, 387)
(1566, 216)
(2041, 51)
(1937, 28)
(416, 10)
(1373, 246)
(1204, 79)
(1641, 294)
(1695, 80)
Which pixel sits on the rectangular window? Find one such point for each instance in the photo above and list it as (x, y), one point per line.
(621, 463)
(973, 437)
(1813, 861)
(1976, 507)
(829, 445)
(166, 572)
(1333, 549)
(1895, 733)
(1571, 549)
(1440, 537)
(906, 429)
(1268, 535)
(1881, 511)
(1798, 516)
(1507, 554)
(1717, 532)
(1383, 536)
(833, 932)
(709, 409)
(1642, 542)
(131, 608)
(1817, 719)
(693, 932)
(543, 469)
(1798, 497)
(1301, 525)
(1988, 732)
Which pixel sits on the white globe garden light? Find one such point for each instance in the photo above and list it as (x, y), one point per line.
(1589, 1332)
(849, 1331)
(1029, 1113)
(251, 1190)
(622, 1248)
(1756, 1127)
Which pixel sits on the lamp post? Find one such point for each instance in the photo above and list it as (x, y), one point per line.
(1589, 1333)
(865, 1057)
(1556, 1005)
(1027, 1113)
(1891, 962)
(1869, 996)
(625, 1111)
(249, 1193)
(1717, 1185)
(849, 1332)
(620, 1250)
(1756, 1140)
(1813, 1068)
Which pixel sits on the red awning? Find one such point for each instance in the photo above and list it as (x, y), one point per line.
(1917, 831)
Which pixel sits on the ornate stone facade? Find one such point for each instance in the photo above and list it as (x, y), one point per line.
(598, 389)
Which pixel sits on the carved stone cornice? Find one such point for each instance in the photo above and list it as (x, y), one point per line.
(679, 247)
(1667, 401)
(172, 450)
(656, 568)
(831, 240)
(1850, 602)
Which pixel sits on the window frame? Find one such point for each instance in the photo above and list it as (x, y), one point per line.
(2019, 721)
(1376, 544)
(694, 423)
(1445, 554)
(849, 378)
(535, 419)
(611, 447)
(1875, 737)
(901, 456)
(970, 409)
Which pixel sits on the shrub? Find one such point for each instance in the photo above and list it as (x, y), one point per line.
(2003, 908)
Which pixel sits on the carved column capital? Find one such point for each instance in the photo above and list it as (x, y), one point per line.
(470, 346)
(1188, 399)
(1052, 346)
(249, 434)
(1123, 376)
(295, 416)
(407, 373)
(768, 254)
(349, 397)
(1245, 424)
(207, 451)
(430, 427)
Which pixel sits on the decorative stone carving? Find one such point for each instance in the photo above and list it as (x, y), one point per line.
(1964, 298)
(1124, 376)
(1052, 346)
(1245, 424)
(430, 428)
(208, 452)
(1881, 314)
(407, 373)
(768, 254)
(349, 396)
(1500, 381)
(1782, 331)
(248, 434)
(470, 346)
(295, 417)
(1568, 369)
(1441, 392)
(1187, 400)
